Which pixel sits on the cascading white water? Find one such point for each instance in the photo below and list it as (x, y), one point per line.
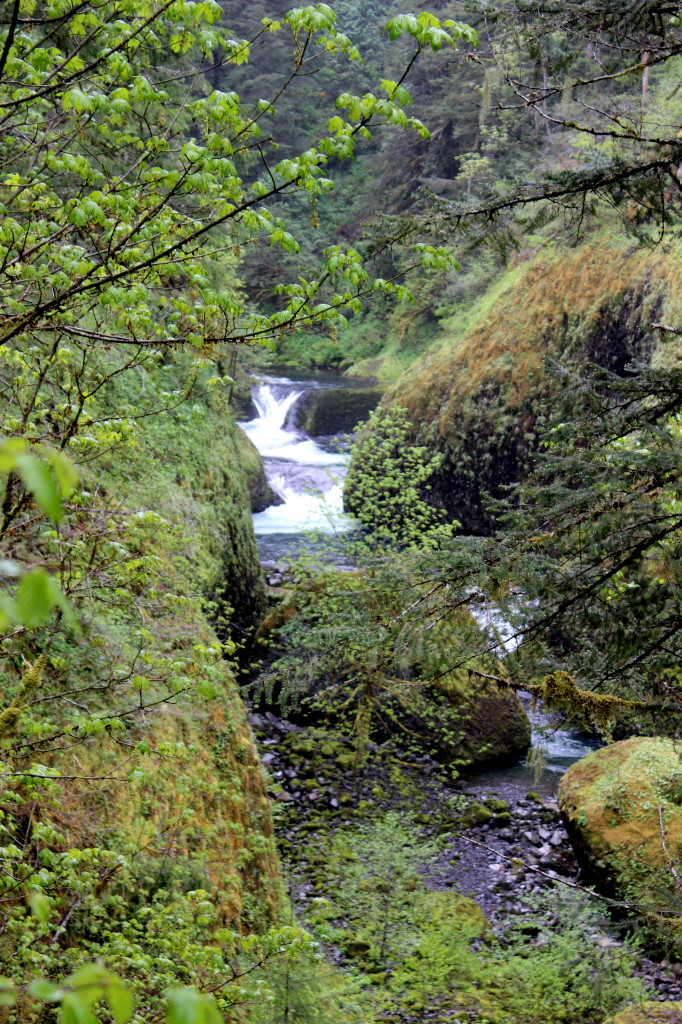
(560, 743)
(307, 477)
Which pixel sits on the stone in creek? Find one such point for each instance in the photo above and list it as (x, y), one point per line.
(268, 758)
(558, 838)
(532, 837)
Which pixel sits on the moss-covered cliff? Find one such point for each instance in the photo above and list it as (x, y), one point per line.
(143, 824)
(479, 397)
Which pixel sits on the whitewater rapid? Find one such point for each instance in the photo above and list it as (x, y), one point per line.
(307, 476)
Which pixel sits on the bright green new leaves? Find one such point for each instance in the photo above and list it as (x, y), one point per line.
(90, 985)
(79, 995)
(429, 31)
(49, 486)
(112, 214)
(38, 593)
(188, 1006)
(385, 484)
(41, 906)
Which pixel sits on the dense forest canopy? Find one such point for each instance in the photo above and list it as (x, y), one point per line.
(191, 191)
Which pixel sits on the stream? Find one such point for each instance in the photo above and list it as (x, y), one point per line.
(307, 473)
(505, 861)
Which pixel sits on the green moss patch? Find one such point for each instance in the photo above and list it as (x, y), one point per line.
(620, 804)
(649, 1013)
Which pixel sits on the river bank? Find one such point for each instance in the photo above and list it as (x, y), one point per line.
(495, 837)
(503, 846)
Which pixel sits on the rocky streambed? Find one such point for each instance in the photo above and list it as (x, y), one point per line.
(503, 847)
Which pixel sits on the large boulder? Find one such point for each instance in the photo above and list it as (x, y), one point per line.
(471, 725)
(622, 809)
(322, 412)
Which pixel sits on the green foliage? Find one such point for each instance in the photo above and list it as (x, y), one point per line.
(562, 976)
(374, 886)
(384, 486)
(131, 186)
(436, 951)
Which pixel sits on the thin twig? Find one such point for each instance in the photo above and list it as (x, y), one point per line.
(669, 860)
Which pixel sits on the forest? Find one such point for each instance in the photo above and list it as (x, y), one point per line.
(340, 512)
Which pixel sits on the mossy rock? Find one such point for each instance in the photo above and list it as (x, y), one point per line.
(616, 802)
(649, 1013)
(468, 725)
(475, 814)
(453, 906)
(480, 396)
(260, 493)
(322, 412)
(355, 948)
(497, 805)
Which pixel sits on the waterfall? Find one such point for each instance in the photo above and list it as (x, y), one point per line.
(306, 475)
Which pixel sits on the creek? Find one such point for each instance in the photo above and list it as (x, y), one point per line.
(299, 428)
(307, 474)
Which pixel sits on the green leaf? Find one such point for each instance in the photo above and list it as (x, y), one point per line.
(37, 479)
(8, 992)
(75, 1010)
(64, 470)
(120, 1000)
(188, 1006)
(38, 594)
(41, 905)
(45, 990)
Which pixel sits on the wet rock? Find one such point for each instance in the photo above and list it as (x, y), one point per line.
(356, 948)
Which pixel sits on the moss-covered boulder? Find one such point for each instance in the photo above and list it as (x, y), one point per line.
(479, 397)
(471, 724)
(622, 807)
(260, 493)
(325, 411)
(649, 1013)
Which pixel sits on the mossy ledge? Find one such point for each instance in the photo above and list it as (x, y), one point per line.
(649, 1013)
(480, 396)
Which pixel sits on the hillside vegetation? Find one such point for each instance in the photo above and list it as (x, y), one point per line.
(483, 396)
(479, 206)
